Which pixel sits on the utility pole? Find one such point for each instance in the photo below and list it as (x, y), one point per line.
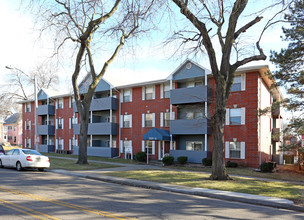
(36, 117)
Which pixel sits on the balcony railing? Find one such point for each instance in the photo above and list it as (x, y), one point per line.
(98, 128)
(101, 104)
(276, 134)
(46, 130)
(189, 95)
(192, 126)
(46, 110)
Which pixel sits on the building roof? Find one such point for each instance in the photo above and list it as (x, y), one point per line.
(261, 68)
(13, 119)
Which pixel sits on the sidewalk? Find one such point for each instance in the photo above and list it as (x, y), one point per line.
(218, 194)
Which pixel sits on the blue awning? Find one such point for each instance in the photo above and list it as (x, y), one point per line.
(156, 134)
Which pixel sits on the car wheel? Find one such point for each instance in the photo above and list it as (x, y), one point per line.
(18, 166)
(1, 165)
(41, 169)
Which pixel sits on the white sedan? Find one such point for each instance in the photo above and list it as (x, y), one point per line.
(24, 158)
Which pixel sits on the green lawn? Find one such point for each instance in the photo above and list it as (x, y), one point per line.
(200, 180)
(71, 165)
(248, 172)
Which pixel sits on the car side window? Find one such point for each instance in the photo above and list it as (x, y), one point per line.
(10, 152)
(16, 152)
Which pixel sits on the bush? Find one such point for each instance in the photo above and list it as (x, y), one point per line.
(266, 167)
(231, 164)
(141, 156)
(182, 159)
(207, 162)
(168, 160)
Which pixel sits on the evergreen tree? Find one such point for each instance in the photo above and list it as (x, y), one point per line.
(290, 61)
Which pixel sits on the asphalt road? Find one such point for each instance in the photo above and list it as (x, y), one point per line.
(36, 195)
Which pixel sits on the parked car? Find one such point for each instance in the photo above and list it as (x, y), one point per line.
(2, 151)
(24, 158)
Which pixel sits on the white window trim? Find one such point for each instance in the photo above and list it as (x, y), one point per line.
(161, 119)
(243, 116)
(227, 150)
(243, 82)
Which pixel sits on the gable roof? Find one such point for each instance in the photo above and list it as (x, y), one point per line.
(13, 119)
(188, 69)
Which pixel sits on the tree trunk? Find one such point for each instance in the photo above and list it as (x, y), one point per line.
(218, 123)
(83, 135)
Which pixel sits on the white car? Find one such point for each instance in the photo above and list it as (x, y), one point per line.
(24, 158)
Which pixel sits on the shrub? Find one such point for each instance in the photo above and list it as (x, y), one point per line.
(141, 156)
(207, 162)
(266, 167)
(231, 164)
(182, 159)
(168, 160)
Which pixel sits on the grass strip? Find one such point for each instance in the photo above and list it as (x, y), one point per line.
(116, 160)
(290, 191)
(71, 165)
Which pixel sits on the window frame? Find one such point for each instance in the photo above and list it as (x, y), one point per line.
(238, 150)
(124, 120)
(193, 145)
(239, 117)
(148, 121)
(126, 91)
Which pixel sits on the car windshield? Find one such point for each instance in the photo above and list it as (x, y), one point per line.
(31, 152)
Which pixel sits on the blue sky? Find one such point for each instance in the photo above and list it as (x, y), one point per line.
(21, 49)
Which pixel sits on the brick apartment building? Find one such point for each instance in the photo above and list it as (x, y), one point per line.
(167, 116)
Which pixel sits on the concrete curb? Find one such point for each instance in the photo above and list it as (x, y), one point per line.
(218, 194)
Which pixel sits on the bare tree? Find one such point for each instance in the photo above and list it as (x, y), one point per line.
(20, 86)
(95, 30)
(222, 19)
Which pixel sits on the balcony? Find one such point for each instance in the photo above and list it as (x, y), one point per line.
(46, 110)
(99, 151)
(101, 104)
(276, 134)
(98, 128)
(191, 126)
(46, 130)
(189, 95)
(44, 148)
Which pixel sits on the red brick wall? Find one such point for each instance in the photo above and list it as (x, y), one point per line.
(29, 116)
(66, 113)
(138, 107)
(247, 133)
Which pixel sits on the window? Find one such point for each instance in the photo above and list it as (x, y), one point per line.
(60, 144)
(149, 92)
(198, 115)
(27, 107)
(235, 150)
(235, 116)
(166, 91)
(148, 120)
(127, 95)
(9, 128)
(10, 138)
(127, 144)
(60, 123)
(127, 121)
(237, 84)
(194, 145)
(15, 139)
(27, 125)
(167, 119)
(60, 103)
(149, 147)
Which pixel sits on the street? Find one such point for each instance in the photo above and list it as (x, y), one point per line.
(46, 195)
